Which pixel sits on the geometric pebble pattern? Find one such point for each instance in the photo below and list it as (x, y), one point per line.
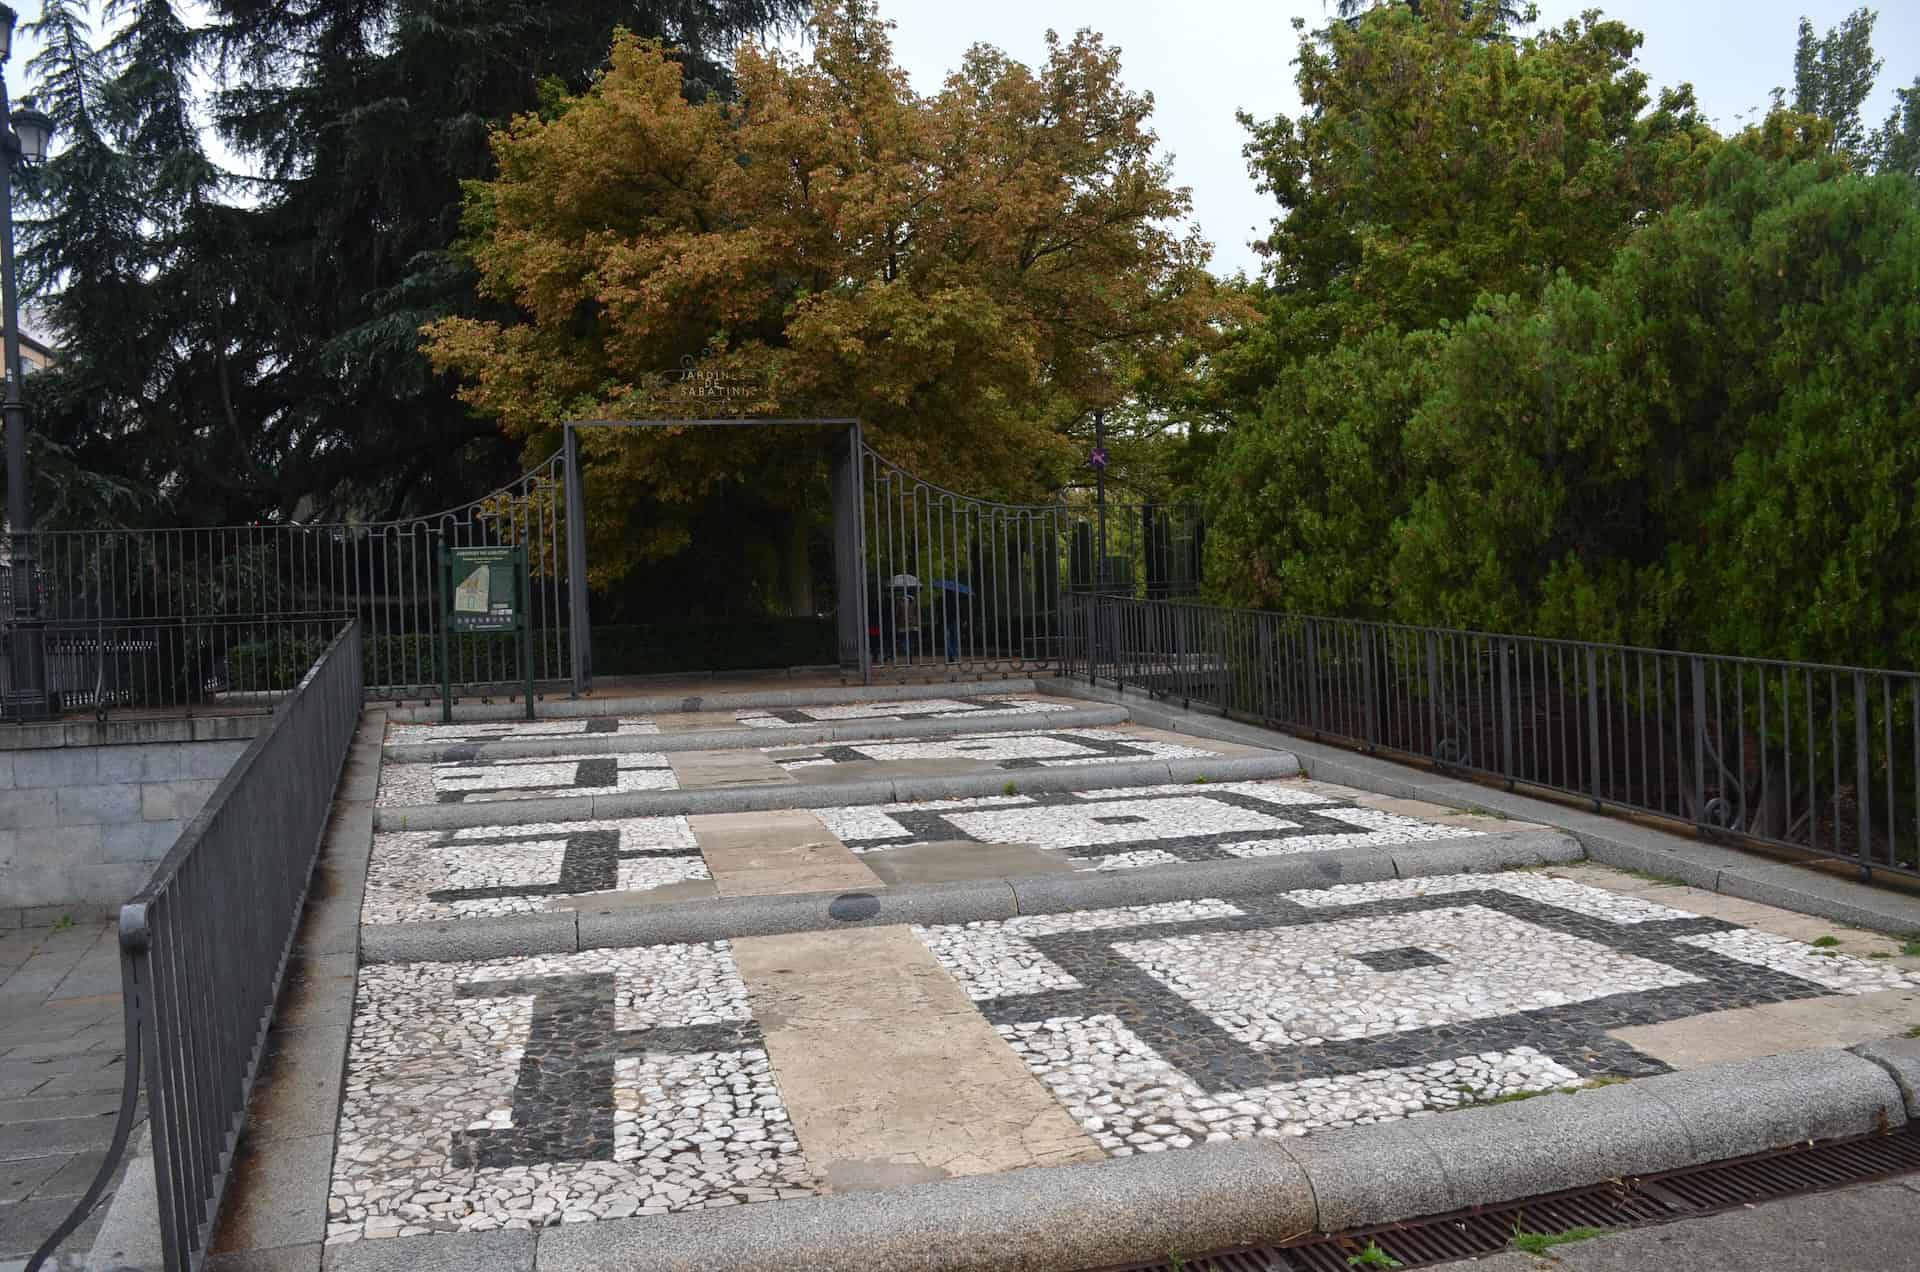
(526, 1092)
(1128, 827)
(482, 871)
(1003, 750)
(1186, 1022)
(915, 709)
(512, 730)
(471, 780)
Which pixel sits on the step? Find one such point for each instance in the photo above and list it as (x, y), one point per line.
(721, 739)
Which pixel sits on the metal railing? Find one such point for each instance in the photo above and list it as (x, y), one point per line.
(1151, 550)
(204, 948)
(954, 581)
(179, 618)
(1822, 759)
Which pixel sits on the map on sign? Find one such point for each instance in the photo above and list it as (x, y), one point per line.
(470, 597)
(484, 586)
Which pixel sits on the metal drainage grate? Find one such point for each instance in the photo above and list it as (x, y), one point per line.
(1620, 1203)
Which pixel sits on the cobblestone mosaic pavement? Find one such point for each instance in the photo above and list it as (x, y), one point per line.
(459, 731)
(1164, 1026)
(464, 781)
(1123, 828)
(525, 1092)
(1039, 749)
(491, 870)
(912, 709)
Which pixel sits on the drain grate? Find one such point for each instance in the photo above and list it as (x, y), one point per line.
(1621, 1203)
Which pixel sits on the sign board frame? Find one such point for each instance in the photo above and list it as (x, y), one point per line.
(474, 604)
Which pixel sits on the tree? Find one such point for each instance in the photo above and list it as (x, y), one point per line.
(969, 273)
(1716, 444)
(1505, 12)
(1834, 73)
(1431, 166)
(1896, 143)
(246, 347)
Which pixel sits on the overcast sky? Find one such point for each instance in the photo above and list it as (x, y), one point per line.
(1205, 59)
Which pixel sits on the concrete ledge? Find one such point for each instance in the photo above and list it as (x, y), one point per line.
(1198, 1199)
(1900, 1057)
(744, 737)
(240, 726)
(966, 901)
(962, 902)
(1021, 1221)
(1610, 840)
(556, 932)
(781, 795)
(655, 704)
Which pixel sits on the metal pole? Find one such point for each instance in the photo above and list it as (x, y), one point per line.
(579, 625)
(524, 585)
(1100, 492)
(29, 696)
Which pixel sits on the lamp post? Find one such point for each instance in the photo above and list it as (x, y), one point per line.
(24, 143)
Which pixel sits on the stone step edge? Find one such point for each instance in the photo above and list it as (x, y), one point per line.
(741, 738)
(1218, 1196)
(968, 901)
(772, 796)
(726, 700)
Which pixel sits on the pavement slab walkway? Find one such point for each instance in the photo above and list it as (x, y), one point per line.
(62, 1066)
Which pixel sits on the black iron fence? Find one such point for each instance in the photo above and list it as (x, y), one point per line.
(204, 948)
(1824, 759)
(179, 618)
(953, 581)
(1150, 550)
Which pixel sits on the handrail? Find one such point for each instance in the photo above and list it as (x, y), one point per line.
(197, 1019)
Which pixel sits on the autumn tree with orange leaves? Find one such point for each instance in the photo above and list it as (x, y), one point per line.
(971, 273)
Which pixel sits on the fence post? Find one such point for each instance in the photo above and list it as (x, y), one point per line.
(1863, 775)
(579, 625)
(1593, 726)
(1699, 742)
(1433, 694)
(1369, 732)
(1500, 648)
(1313, 675)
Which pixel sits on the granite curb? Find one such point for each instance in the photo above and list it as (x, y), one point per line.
(744, 737)
(1606, 839)
(967, 901)
(730, 700)
(784, 795)
(1152, 1205)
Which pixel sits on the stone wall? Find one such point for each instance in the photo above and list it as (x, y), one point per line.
(87, 809)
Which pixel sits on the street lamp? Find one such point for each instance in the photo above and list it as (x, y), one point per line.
(24, 143)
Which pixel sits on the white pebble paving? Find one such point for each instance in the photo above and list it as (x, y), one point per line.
(691, 1131)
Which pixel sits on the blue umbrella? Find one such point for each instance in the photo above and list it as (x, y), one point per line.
(948, 585)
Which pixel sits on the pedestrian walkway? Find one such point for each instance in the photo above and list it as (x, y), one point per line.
(62, 1053)
(633, 1031)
